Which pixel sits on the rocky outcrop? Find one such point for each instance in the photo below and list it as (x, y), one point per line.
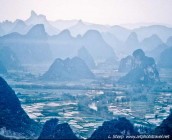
(126, 64)
(53, 130)
(120, 126)
(12, 116)
(166, 127)
(68, 69)
(86, 56)
(143, 69)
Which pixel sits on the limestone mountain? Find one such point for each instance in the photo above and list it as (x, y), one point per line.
(150, 43)
(96, 45)
(131, 43)
(165, 128)
(35, 19)
(126, 64)
(142, 69)
(30, 48)
(9, 59)
(68, 69)
(165, 58)
(65, 45)
(86, 56)
(53, 130)
(12, 115)
(109, 129)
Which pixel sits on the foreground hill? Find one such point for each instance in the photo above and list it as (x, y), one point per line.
(109, 129)
(165, 127)
(53, 130)
(12, 116)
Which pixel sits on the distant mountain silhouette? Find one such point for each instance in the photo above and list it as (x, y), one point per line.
(86, 56)
(151, 43)
(63, 24)
(120, 32)
(67, 70)
(169, 41)
(146, 31)
(35, 19)
(30, 48)
(80, 28)
(96, 45)
(20, 27)
(64, 45)
(63, 36)
(113, 41)
(7, 27)
(131, 43)
(23, 27)
(156, 52)
(40, 45)
(37, 32)
(165, 58)
(9, 59)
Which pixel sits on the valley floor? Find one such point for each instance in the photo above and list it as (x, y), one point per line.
(85, 105)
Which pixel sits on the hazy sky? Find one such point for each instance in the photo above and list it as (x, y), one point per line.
(96, 11)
